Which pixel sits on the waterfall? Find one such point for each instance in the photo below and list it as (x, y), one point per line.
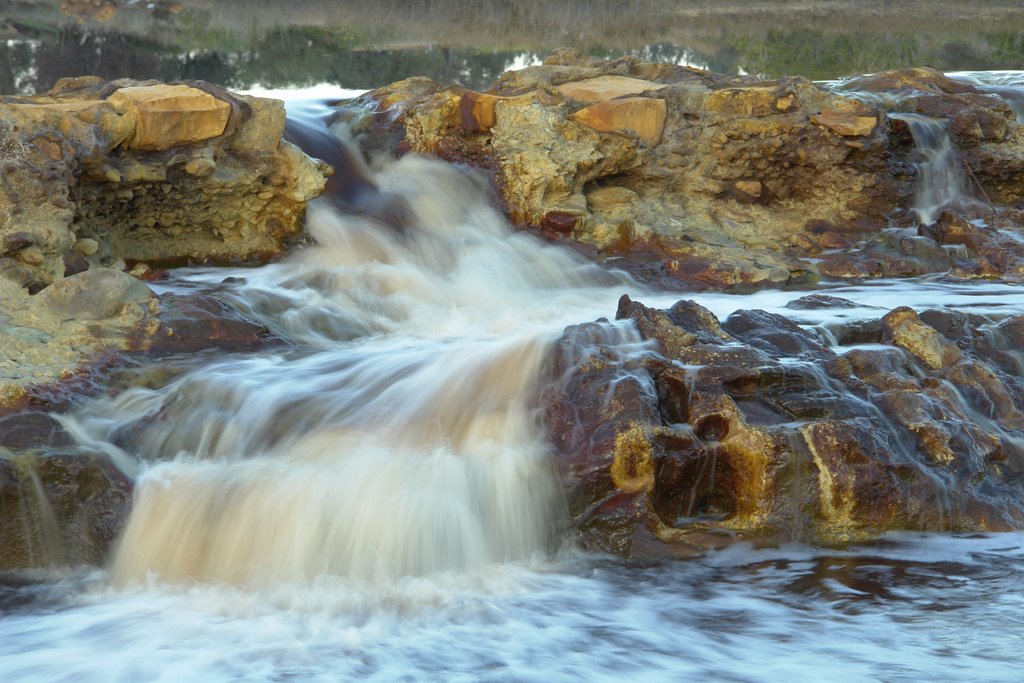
(398, 434)
(940, 180)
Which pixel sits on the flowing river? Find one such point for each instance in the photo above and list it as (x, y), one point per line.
(375, 500)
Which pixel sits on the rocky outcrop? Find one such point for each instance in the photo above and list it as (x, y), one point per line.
(756, 428)
(717, 181)
(97, 173)
(61, 342)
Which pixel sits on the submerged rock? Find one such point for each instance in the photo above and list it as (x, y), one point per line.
(145, 171)
(59, 509)
(697, 431)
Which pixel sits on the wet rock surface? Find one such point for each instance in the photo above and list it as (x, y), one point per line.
(695, 432)
(720, 181)
(59, 508)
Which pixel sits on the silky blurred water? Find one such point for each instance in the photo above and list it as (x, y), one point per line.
(908, 608)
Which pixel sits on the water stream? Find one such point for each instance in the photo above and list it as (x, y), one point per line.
(375, 500)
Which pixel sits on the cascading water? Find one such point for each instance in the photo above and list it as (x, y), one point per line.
(398, 436)
(940, 178)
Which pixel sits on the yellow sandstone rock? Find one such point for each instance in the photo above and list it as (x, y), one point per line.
(641, 115)
(752, 101)
(170, 115)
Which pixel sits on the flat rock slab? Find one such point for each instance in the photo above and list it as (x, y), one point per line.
(605, 88)
(641, 115)
(171, 115)
(846, 124)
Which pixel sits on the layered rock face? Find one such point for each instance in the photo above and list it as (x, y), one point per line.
(718, 181)
(99, 175)
(95, 173)
(755, 428)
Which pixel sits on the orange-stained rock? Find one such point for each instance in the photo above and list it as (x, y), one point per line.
(605, 88)
(170, 115)
(751, 188)
(477, 111)
(84, 10)
(641, 115)
(845, 124)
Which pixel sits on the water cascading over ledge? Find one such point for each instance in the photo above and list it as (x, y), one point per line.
(399, 435)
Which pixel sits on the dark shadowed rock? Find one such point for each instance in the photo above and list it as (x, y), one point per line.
(59, 509)
(756, 428)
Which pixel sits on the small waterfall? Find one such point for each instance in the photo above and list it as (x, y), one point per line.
(940, 179)
(44, 544)
(398, 435)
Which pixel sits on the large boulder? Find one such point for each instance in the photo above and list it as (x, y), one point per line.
(755, 428)
(94, 173)
(60, 343)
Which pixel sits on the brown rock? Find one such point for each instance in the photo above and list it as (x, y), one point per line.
(844, 123)
(640, 115)
(171, 115)
(751, 188)
(60, 509)
(757, 427)
(477, 110)
(902, 327)
(17, 241)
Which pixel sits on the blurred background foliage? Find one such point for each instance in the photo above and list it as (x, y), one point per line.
(241, 43)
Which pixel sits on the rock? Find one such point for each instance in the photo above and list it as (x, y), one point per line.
(87, 246)
(751, 188)
(902, 327)
(640, 115)
(194, 322)
(32, 429)
(816, 301)
(603, 88)
(746, 101)
(62, 509)
(757, 429)
(170, 115)
(846, 124)
(17, 241)
(98, 294)
(478, 111)
(127, 170)
(749, 183)
(75, 263)
(727, 186)
(84, 10)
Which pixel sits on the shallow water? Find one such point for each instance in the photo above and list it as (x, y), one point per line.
(375, 499)
(908, 608)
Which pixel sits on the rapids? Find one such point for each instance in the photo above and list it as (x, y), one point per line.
(374, 499)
